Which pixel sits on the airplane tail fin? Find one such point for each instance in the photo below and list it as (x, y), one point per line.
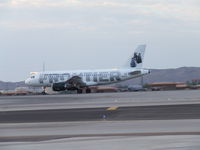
(136, 60)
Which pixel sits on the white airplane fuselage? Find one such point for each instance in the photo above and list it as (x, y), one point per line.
(90, 77)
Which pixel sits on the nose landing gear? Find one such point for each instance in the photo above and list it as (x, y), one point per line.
(44, 90)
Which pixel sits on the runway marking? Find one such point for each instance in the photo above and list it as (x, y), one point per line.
(112, 108)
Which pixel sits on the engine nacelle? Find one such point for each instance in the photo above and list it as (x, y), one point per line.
(59, 86)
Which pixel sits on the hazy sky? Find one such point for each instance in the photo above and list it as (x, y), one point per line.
(89, 34)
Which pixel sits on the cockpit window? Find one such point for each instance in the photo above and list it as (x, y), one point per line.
(32, 77)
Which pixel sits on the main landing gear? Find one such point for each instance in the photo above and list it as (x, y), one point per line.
(79, 91)
(88, 90)
(85, 90)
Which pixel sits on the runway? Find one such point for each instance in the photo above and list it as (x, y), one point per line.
(141, 120)
(163, 112)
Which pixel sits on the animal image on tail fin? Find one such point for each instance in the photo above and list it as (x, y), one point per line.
(137, 58)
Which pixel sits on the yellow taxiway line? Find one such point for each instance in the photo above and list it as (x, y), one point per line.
(112, 108)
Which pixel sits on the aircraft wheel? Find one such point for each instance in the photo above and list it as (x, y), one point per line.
(79, 91)
(44, 91)
(88, 90)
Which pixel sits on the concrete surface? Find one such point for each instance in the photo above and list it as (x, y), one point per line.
(11, 103)
(144, 135)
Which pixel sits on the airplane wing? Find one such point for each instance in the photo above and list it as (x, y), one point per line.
(74, 82)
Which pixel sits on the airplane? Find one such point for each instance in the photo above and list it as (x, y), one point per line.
(85, 79)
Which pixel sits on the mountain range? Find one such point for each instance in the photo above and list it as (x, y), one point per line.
(182, 74)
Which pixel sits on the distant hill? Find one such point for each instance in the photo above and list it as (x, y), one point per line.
(11, 85)
(182, 74)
